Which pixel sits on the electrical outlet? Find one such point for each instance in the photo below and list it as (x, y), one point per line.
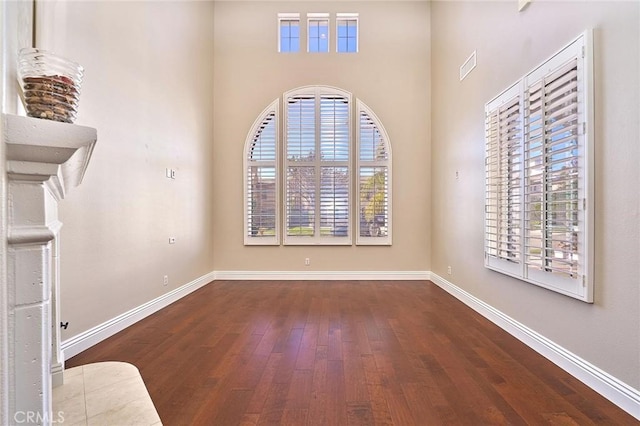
(172, 240)
(173, 173)
(449, 270)
(307, 261)
(166, 280)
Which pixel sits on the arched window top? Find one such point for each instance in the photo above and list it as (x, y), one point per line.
(374, 179)
(327, 91)
(262, 139)
(374, 142)
(261, 179)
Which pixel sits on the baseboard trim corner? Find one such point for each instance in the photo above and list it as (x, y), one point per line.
(97, 334)
(616, 391)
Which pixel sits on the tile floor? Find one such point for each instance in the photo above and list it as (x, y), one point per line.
(104, 393)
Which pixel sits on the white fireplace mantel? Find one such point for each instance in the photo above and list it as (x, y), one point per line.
(45, 159)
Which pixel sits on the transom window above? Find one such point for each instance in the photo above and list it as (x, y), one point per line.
(317, 193)
(318, 32)
(347, 32)
(288, 32)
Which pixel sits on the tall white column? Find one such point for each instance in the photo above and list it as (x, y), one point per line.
(44, 159)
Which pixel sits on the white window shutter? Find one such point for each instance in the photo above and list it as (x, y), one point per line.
(374, 180)
(261, 180)
(539, 181)
(317, 161)
(503, 172)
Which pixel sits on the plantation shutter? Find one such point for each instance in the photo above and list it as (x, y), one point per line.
(539, 182)
(317, 163)
(554, 217)
(301, 155)
(503, 163)
(334, 170)
(374, 160)
(261, 196)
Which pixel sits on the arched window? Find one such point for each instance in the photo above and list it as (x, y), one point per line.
(374, 180)
(323, 139)
(261, 179)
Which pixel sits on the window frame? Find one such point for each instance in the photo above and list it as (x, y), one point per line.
(363, 240)
(580, 287)
(275, 239)
(318, 17)
(350, 16)
(317, 238)
(290, 17)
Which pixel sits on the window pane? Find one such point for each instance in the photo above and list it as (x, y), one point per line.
(300, 201)
(264, 142)
(289, 35)
(372, 146)
(352, 29)
(261, 201)
(342, 44)
(334, 128)
(301, 129)
(318, 35)
(374, 212)
(334, 201)
(347, 35)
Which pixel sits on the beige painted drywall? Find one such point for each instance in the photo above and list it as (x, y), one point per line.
(508, 45)
(390, 74)
(148, 91)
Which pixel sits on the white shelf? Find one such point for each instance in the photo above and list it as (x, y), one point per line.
(39, 149)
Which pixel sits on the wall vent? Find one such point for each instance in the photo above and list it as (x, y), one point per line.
(468, 66)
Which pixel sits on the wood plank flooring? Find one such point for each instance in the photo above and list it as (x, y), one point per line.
(343, 353)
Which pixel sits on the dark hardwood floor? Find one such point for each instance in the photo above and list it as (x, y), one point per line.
(338, 353)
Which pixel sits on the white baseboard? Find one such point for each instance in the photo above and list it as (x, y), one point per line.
(616, 391)
(97, 334)
(322, 275)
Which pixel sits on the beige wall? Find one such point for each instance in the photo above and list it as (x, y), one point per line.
(508, 45)
(148, 90)
(390, 74)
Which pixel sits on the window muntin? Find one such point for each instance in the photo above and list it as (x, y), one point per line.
(318, 32)
(288, 32)
(261, 180)
(539, 195)
(347, 32)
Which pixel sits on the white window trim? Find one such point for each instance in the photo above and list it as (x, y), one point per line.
(315, 17)
(343, 16)
(318, 239)
(287, 17)
(381, 241)
(582, 287)
(275, 239)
